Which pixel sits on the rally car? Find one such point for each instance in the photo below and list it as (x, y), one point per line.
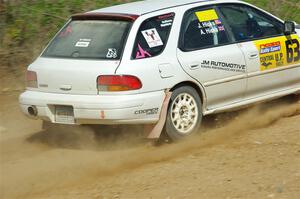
(117, 65)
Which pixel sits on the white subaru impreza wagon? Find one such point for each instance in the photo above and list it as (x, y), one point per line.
(118, 65)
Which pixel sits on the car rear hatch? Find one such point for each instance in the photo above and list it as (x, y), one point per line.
(88, 46)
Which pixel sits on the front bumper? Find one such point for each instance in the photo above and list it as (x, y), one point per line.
(97, 109)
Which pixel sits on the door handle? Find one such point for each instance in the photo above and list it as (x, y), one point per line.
(65, 87)
(194, 66)
(253, 55)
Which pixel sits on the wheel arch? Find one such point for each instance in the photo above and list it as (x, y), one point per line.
(199, 88)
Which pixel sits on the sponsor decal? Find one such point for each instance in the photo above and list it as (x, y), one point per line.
(166, 23)
(267, 64)
(166, 20)
(152, 111)
(270, 47)
(112, 53)
(83, 43)
(152, 38)
(217, 65)
(278, 52)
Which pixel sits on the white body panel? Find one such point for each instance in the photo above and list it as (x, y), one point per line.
(221, 86)
(262, 83)
(90, 109)
(69, 76)
(219, 90)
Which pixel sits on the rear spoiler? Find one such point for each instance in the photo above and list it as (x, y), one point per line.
(105, 16)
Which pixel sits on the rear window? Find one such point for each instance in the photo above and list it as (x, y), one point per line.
(152, 36)
(90, 39)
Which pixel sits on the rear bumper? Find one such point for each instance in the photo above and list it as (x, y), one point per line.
(97, 109)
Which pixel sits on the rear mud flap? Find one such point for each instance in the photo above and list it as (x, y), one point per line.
(158, 127)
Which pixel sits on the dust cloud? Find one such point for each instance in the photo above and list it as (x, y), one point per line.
(64, 157)
(256, 117)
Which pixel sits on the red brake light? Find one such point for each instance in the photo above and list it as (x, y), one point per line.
(118, 83)
(31, 79)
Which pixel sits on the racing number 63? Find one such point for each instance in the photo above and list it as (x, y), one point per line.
(293, 53)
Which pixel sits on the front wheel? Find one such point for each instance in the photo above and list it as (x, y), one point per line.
(184, 113)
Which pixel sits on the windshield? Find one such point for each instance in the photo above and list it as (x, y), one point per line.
(90, 39)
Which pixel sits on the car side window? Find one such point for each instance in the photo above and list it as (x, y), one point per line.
(247, 23)
(202, 28)
(152, 36)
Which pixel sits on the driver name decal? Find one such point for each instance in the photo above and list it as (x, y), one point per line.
(209, 22)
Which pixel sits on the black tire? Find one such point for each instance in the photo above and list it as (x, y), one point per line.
(186, 112)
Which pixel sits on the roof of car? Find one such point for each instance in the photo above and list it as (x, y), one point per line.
(147, 6)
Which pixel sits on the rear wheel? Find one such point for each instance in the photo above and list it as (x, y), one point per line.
(184, 113)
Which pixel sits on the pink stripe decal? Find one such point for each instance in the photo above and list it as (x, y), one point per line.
(141, 53)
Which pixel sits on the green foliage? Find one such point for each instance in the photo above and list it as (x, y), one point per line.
(30, 24)
(36, 21)
(285, 9)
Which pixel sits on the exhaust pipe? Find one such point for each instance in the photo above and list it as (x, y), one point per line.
(32, 111)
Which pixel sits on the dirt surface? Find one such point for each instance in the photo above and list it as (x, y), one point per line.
(253, 153)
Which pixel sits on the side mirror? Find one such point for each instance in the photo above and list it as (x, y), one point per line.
(289, 27)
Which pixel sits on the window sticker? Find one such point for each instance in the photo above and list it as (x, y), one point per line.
(207, 15)
(141, 53)
(152, 37)
(209, 22)
(170, 15)
(66, 32)
(166, 20)
(278, 52)
(166, 23)
(112, 53)
(83, 43)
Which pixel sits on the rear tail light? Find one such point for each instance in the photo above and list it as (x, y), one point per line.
(114, 83)
(31, 79)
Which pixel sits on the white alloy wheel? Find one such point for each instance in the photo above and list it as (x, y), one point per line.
(184, 113)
